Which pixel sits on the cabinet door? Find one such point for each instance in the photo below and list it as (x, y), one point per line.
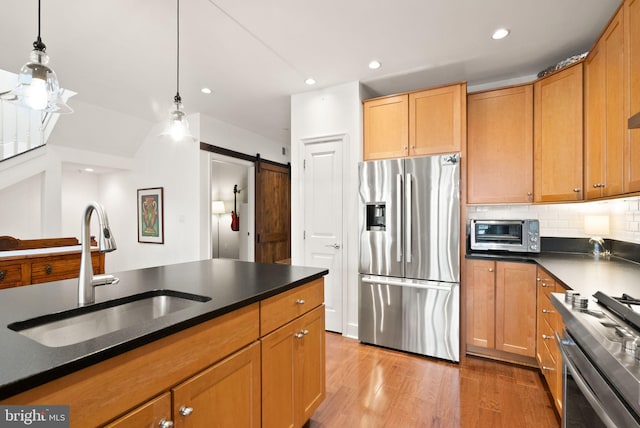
(386, 128)
(500, 146)
(226, 394)
(148, 415)
(310, 369)
(481, 303)
(558, 136)
(10, 274)
(595, 109)
(516, 308)
(632, 48)
(293, 366)
(435, 120)
(616, 119)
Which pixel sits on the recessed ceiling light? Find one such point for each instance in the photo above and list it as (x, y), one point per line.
(89, 169)
(310, 81)
(374, 65)
(205, 91)
(500, 33)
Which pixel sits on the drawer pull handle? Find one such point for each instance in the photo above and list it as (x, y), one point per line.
(547, 311)
(298, 335)
(550, 369)
(185, 411)
(545, 337)
(300, 302)
(305, 332)
(48, 269)
(3, 275)
(164, 423)
(544, 284)
(490, 269)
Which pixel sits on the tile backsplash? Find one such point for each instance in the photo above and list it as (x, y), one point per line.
(567, 220)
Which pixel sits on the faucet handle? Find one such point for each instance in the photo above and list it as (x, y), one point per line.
(104, 280)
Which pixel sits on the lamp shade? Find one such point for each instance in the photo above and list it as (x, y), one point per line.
(596, 225)
(217, 207)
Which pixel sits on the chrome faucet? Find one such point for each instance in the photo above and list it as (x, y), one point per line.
(106, 243)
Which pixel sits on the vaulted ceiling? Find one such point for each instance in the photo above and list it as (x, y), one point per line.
(254, 54)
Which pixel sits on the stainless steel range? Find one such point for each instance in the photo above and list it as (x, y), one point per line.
(601, 360)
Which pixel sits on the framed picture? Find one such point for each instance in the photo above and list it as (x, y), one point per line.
(151, 215)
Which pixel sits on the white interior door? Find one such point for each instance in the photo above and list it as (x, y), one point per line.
(323, 218)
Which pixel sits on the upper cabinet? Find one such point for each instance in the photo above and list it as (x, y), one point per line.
(386, 129)
(500, 146)
(558, 136)
(632, 137)
(605, 117)
(415, 124)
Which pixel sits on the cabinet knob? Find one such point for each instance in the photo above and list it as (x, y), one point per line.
(547, 311)
(298, 335)
(305, 332)
(300, 302)
(538, 279)
(185, 411)
(165, 423)
(490, 269)
(3, 275)
(544, 284)
(48, 269)
(596, 185)
(576, 190)
(545, 337)
(549, 369)
(529, 194)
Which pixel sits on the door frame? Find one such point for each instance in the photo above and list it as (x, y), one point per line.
(342, 139)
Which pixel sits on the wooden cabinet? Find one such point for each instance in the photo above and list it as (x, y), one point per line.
(420, 123)
(386, 128)
(605, 118)
(151, 414)
(225, 395)
(24, 262)
(293, 356)
(500, 146)
(632, 103)
(549, 322)
(558, 136)
(435, 120)
(501, 308)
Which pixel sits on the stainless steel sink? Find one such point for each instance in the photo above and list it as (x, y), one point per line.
(88, 322)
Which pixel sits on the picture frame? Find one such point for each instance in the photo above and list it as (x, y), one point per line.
(151, 215)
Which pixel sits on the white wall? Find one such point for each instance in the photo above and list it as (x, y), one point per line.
(326, 112)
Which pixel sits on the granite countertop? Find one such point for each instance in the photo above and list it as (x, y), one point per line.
(230, 284)
(581, 272)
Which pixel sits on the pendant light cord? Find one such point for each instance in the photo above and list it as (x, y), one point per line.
(177, 98)
(38, 45)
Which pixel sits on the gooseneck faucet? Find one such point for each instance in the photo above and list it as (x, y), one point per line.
(106, 243)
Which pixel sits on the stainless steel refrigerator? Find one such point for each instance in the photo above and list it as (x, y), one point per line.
(409, 286)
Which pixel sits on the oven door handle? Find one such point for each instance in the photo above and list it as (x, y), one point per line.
(583, 386)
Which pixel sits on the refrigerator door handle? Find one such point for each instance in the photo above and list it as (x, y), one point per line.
(409, 198)
(428, 285)
(399, 217)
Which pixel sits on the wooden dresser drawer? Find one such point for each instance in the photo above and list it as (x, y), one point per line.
(10, 275)
(279, 310)
(63, 267)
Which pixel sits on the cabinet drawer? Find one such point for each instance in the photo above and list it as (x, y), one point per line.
(59, 268)
(547, 285)
(547, 311)
(279, 310)
(10, 275)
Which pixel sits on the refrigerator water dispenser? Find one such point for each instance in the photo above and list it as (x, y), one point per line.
(376, 219)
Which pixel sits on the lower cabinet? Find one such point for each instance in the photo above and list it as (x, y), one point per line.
(293, 367)
(501, 309)
(224, 395)
(549, 322)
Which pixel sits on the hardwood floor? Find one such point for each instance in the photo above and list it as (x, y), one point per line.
(373, 387)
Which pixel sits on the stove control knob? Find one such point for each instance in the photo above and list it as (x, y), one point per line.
(630, 345)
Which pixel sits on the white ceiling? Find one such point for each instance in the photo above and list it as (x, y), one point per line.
(254, 54)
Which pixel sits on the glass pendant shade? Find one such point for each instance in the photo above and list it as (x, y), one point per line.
(38, 86)
(178, 126)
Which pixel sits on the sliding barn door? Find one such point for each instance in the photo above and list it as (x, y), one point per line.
(273, 213)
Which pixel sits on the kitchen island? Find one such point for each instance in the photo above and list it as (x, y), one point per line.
(261, 327)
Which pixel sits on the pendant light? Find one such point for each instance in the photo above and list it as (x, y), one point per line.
(178, 127)
(38, 86)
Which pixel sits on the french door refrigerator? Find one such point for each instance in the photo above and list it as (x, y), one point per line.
(409, 263)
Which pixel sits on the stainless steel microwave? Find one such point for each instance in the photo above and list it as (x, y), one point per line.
(506, 235)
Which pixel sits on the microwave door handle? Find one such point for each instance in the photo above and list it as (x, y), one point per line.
(409, 198)
(399, 218)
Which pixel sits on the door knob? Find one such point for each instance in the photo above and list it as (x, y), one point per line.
(336, 246)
